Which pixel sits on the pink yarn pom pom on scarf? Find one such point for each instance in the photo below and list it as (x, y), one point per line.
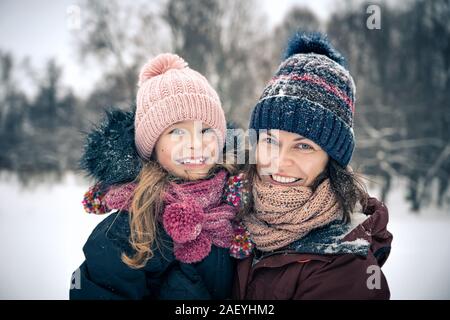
(196, 217)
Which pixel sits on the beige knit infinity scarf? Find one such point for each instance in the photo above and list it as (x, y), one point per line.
(284, 214)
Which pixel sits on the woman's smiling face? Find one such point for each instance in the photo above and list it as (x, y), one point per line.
(286, 158)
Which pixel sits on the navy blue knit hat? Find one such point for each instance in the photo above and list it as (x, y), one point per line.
(312, 94)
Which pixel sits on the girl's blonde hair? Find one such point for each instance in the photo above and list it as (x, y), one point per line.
(147, 206)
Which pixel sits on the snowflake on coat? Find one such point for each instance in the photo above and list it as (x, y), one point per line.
(236, 194)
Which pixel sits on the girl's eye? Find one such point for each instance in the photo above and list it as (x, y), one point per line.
(207, 130)
(269, 140)
(304, 146)
(176, 131)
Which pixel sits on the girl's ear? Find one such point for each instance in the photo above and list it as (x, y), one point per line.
(110, 155)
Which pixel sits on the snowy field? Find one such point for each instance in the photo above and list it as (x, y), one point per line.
(43, 229)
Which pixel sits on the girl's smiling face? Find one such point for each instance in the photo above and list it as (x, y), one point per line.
(286, 158)
(188, 149)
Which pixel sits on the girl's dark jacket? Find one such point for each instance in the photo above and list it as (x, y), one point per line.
(334, 262)
(103, 275)
(110, 158)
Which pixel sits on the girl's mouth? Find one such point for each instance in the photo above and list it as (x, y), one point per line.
(276, 179)
(199, 161)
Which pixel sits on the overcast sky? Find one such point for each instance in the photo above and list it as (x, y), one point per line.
(38, 29)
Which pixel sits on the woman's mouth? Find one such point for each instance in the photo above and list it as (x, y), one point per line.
(277, 179)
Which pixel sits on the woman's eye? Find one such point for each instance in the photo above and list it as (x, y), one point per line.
(176, 131)
(304, 146)
(207, 130)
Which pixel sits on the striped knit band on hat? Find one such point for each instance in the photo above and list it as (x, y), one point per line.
(312, 94)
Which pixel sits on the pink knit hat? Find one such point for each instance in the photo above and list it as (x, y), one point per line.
(170, 92)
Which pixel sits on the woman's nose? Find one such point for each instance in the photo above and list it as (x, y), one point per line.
(285, 159)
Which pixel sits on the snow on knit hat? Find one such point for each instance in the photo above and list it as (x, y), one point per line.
(312, 94)
(170, 92)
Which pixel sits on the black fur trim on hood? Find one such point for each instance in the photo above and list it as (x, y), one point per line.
(110, 155)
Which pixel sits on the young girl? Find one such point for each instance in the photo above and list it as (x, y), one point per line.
(170, 234)
(301, 235)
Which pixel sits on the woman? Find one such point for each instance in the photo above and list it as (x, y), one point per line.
(301, 234)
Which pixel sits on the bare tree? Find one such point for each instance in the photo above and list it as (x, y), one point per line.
(401, 72)
(297, 19)
(226, 42)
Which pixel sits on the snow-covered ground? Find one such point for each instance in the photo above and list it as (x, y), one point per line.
(43, 229)
(419, 264)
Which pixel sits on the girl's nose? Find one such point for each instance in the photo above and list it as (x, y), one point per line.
(196, 141)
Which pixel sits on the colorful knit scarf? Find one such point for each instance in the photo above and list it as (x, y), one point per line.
(284, 214)
(195, 216)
